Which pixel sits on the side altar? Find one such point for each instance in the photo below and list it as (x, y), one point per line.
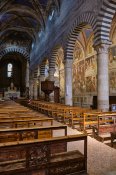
(12, 92)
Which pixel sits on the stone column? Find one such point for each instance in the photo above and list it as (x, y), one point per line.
(51, 74)
(27, 75)
(27, 80)
(31, 89)
(51, 78)
(41, 78)
(68, 82)
(102, 77)
(35, 90)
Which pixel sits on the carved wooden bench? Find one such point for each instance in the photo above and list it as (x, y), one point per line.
(106, 124)
(38, 156)
(19, 134)
(64, 113)
(93, 119)
(76, 116)
(102, 133)
(25, 122)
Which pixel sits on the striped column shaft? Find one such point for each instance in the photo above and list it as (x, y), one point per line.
(41, 78)
(42, 69)
(52, 63)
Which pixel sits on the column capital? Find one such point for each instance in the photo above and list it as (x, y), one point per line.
(102, 47)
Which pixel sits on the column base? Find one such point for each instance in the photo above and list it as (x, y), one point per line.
(68, 102)
(103, 105)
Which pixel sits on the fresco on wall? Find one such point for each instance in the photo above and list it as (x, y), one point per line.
(62, 83)
(114, 37)
(112, 81)
(112, 69)
(79, 78)
(78, 53)
(84, 76)
(90, 73)
(90, 49)
(75, 80)
(112, 63)
(84, 71)
(85, 68)
(59, 73)
(112, 58)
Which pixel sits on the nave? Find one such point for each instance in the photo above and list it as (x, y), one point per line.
(100, 157)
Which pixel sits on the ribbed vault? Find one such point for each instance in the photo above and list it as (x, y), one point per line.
(21, 20)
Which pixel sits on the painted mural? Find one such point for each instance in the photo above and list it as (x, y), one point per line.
(78, 53)
(59, 73)
(112, 59)
(85, 67)
(90, 74)
(62, 83)
(112, 82)
(85, 71)
(78, 78)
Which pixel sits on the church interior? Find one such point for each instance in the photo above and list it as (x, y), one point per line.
(58, 87)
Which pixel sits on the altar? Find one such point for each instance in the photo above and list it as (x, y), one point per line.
(12, 94)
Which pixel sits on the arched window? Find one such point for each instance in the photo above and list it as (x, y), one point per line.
(9, 70)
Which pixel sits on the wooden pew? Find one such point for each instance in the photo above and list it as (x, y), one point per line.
(19, 134)
(25, 122)
(38, 156)
(106, 124)
(88, 120)
(64, 113)
(77, 117)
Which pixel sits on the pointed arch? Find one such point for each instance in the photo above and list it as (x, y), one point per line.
(83, 20)
(107, 12)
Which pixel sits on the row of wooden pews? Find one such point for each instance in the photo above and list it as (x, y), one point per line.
(31, 144)
(99, 124)
(59, 112)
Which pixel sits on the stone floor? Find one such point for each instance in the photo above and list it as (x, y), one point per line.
(101, 157)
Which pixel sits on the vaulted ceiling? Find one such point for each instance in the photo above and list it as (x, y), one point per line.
(21, 20)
